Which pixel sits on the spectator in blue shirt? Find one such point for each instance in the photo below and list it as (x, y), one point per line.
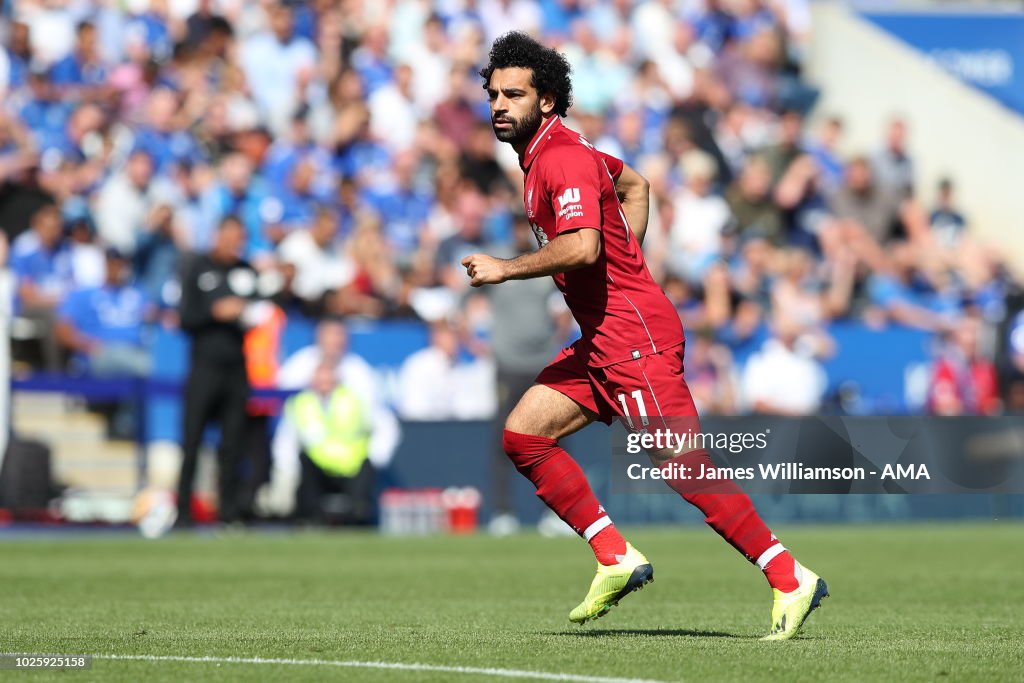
(42, 111)
(715, 26)
(288, 150)
(903, 295)
(19, 54)
(293, 204)
(83, 69)
(102, 326)
(42, 266)
(69, 150)
(237, 193)
(152, 28)
(629, 141)
(752, 17)
(37, 258)
(371, 59)
(557, 16)
(181, 191)
(402, 206)
(361, 156)
(825, 152)
(162, 136)
(305, 20)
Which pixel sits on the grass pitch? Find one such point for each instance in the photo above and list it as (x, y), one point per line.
(921, 602)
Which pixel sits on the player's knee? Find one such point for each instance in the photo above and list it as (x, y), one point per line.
(525, 450)
(521, 420)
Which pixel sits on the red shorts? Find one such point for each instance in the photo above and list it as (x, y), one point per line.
(643, 391)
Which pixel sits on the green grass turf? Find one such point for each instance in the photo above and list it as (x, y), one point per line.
(923, 602)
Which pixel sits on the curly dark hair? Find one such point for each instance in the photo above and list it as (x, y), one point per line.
(550, 68)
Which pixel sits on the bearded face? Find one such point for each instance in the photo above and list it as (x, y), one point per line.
(516, 111)
(517, 130)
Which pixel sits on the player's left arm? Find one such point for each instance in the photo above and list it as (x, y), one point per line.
(635, 196)
(568, 251)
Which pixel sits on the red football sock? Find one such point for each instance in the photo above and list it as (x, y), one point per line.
(562, 485)
(608, 545)
(781, 570)
(730, 512)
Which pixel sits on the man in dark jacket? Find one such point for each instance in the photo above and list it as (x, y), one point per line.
(216, 305)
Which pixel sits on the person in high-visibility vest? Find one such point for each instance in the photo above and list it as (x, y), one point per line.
(330, 427)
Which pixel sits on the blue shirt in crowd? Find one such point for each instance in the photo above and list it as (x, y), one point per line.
(45, 119)
(151, 27)
(361, 158)
(219, 202)
(17, 71)
(47, 269)
(166, 148)
(403, 213)
(112, 315)
(71, 71)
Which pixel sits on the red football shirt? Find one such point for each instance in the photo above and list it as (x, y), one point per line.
(621, 310)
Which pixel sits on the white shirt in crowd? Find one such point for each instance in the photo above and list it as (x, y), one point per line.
(393, 117)
(699, 222)
(496, 16)
(430, 68)
(272, 70)
(51, 29)
(317, 270)
(5, 73)
(433, 387)
(787, 380)
(120, 212)
(88, 265)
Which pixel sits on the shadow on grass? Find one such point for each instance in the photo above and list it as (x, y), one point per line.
(673, 632)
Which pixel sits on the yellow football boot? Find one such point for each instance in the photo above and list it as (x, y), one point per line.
(612, 583)
(790, 610)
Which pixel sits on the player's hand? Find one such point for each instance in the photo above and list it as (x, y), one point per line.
(228, 308)
(484, 270)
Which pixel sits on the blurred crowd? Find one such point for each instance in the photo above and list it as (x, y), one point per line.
(351, 138)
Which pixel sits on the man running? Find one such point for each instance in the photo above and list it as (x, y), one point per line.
(629, 361)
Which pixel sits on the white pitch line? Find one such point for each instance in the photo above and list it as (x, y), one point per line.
(399, 666)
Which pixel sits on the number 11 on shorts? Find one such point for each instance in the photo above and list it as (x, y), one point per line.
(641, 408)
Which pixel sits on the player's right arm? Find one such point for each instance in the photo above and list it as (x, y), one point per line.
(568, 251)
(570, 181)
